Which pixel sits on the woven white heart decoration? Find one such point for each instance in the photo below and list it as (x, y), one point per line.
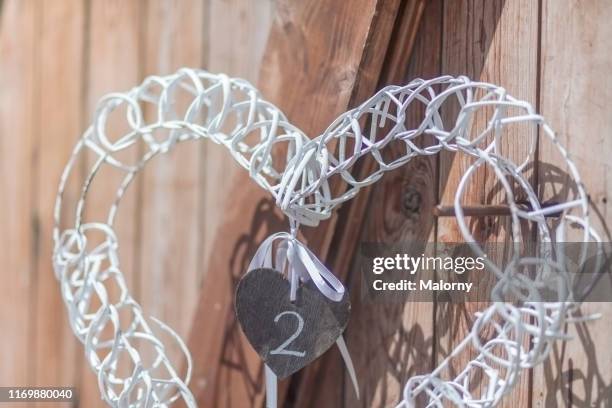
(232, 113)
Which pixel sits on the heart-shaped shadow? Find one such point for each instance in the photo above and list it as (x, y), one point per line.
(287, 335)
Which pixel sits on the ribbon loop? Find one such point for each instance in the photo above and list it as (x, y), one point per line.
(302, 265)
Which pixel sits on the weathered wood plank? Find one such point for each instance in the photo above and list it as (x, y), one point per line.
(326, 382)
(170, 242)
(238, 25)
(58, 113)
(315, 53)
(575, 92)
(236, 36)
(393, 342)
(350, 216)
(320, 238)
(366, 73)
(18, 70)
(494, 42)
(113, 62)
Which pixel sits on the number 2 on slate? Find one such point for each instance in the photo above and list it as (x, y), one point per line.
(281, 349)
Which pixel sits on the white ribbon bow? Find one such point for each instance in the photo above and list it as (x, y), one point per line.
(302, 265)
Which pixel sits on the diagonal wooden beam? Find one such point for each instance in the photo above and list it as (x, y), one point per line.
(323, 380)
(322, 57)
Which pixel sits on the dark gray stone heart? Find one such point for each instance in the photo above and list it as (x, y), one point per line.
(287, 336)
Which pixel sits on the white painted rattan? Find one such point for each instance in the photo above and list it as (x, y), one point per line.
(231, 112)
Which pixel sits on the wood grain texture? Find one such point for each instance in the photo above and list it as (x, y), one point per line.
(232, 26)
(58, 58)
(113, 64)
(325, 382)
(497, 42)
(59, 119)
(575, 92)
(379, 33)
(351, 75)
(170, 206)
(393, 342)
(324, 68)
(323, 48)
(397, 57)
(18, 53)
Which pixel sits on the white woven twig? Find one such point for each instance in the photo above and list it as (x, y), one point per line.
(231, 112)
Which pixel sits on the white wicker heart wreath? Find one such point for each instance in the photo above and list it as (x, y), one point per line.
(232, 113)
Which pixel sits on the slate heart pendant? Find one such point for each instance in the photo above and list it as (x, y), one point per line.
(287, 335)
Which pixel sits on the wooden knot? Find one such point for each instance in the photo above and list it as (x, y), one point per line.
(411, 200)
